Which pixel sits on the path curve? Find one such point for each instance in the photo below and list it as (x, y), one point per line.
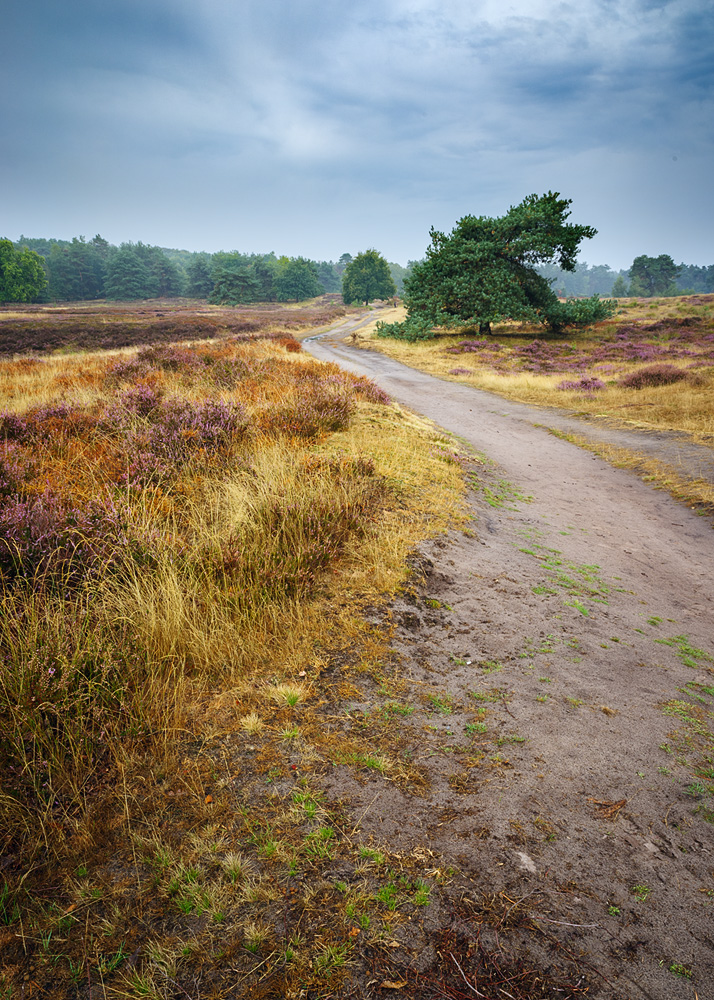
(635, 532)
(603, 706)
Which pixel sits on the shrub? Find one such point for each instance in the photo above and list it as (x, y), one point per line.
(314, 413)
(370, 391)
(459, 371)
(12, 470)
(411, 330)
(12, 427)
(50, 541)
(654, 375)
(588, 383)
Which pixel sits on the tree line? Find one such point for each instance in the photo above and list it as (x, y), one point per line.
(645, 278)
(37, 270)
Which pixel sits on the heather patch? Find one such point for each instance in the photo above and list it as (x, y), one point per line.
(161, 554)
(654, 375)
(49, 541)
(587, 383)
(316, 411)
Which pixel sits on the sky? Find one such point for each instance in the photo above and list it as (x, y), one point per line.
(317, 128)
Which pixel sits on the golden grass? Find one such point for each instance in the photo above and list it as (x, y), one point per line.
(685, 407)
(157, 817)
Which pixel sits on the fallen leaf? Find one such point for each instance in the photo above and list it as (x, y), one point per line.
(389, 985)
(303, 673)
(208, 799)
(608, 809)
(354, 932)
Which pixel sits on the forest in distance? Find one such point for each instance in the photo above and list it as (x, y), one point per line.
(80, 270)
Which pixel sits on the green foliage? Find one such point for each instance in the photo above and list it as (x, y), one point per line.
(399, 275)
(411, 330)
(485, 271)
(234, 279)
(297, 280)
(22, 275)
(198, 273)
(138, 271)
(366, 278)
(129, 277)
(579, 312)
(619, 289)
(650, 276)
(77, 271)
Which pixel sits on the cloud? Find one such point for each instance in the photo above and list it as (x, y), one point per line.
(402, 112)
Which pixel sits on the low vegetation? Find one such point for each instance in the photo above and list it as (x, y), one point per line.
(97, 326)
(188, 533)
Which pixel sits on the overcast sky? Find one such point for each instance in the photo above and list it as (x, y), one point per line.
(317, 127)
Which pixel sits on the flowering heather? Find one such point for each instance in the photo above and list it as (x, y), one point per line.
(12, 427)
(12, 469)
(472, 346)
(128, 371)
(369, 390)
(160, 435)
(49, 540)
(654, 375)
(460, 371)
(139, 401)
(588, 383)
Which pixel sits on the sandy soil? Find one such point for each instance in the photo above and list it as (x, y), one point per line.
(560, 651)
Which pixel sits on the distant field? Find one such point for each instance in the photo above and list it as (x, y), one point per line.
(107, 326)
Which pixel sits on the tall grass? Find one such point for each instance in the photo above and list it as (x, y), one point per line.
(179, 531)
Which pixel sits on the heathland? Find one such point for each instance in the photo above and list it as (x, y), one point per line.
(650, 367)
(201, 699)
(187, 536)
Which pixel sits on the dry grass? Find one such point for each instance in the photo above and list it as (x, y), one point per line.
(149, 709)
(685, 407)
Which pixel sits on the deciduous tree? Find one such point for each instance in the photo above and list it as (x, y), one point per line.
(22, 275)
(366, 278)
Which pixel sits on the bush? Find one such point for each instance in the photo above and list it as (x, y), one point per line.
(317, 411)
(579, 312)
(588, 383)
(654, 375)
(411, 330)
(49, 541)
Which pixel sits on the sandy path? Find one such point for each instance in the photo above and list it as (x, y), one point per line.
(633, 531)
(574, 625)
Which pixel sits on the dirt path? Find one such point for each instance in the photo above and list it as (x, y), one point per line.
(559, 655)
(691, 459)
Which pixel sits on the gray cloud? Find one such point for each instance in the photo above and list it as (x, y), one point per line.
(313, 128)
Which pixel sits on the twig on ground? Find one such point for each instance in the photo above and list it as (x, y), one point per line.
(478, 994)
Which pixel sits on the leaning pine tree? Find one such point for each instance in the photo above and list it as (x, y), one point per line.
(484, 272)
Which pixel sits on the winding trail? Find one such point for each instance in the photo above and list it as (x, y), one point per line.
(598, 702)
(634, 531)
